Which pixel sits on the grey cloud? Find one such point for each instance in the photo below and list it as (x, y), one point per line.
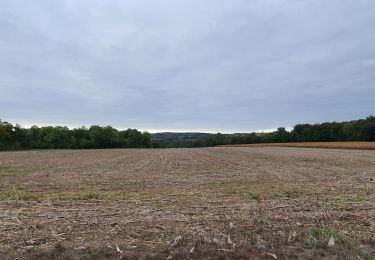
(186, 65)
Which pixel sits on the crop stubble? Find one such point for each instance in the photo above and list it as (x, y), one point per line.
(265, 200)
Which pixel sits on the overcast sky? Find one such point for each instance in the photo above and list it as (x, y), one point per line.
(186, 65)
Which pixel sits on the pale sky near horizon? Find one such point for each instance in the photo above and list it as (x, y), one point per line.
(187, 65)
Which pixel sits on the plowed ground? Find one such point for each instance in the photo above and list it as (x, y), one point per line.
(224, 202)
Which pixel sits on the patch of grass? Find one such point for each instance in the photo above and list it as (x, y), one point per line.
(344, 246)
(275, 194)
(369, 190)
(255, 196)
(360, 198)
(366, 257)
(319, 236)
(92, 253)
(313, 160)
(15, 195)
(264, 222)
(13, 170)
(18, 195)
(148, 235)
(88, 195)
(291, 194)
(84, 195)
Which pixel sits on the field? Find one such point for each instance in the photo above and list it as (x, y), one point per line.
(325, 145)
(223, 202)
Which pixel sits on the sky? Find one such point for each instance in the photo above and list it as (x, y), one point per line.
(186, 65)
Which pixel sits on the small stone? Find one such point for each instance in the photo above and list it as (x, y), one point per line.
(331, 242)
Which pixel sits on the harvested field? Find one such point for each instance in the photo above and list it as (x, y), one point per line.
(223, 202)
(324, 145)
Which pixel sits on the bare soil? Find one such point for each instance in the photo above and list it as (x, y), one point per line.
(218, 203)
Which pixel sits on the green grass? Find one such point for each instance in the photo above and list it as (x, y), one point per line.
(255, 196)
(90, 195)
(14, 170)
(344, 246)
(275, 194)
(264, 222)
(321, 235)
(85, 195)
(92, 253)
(18, 195)
(369, 190)
(292, 194)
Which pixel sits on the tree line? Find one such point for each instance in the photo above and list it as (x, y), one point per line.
(356, 130)
(15, 137)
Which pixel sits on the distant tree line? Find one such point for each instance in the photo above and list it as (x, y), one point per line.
(357, 130)
(13, 137)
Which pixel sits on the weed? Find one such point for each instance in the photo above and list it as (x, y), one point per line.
(87, 195)
(369, 190)
(15, 194)
(291, 194)
(360, 198)
(366, 257)
(321, 235)
(92, 253)
(84, 195)
(255, 196)
(275, 194)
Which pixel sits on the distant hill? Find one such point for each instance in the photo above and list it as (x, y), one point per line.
(170, 139)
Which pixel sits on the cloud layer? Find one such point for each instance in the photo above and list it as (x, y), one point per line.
(187, 65)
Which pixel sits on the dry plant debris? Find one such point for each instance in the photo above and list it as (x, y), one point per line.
(223, 202)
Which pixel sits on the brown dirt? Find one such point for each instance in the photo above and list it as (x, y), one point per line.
(325, 145)
(217, 203)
